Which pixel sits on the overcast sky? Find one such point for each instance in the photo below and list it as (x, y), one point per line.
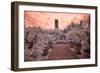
(46, 20)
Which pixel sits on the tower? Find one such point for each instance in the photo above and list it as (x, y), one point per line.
(56, 23)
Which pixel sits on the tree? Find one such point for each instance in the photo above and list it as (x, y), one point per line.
(32, 42)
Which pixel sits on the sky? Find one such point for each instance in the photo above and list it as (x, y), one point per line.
(46, 20)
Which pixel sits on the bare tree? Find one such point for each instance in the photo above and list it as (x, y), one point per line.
(32, 42)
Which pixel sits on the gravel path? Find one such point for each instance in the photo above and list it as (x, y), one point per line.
(61, 52)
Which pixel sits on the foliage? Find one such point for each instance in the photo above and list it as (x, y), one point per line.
(39, 42)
